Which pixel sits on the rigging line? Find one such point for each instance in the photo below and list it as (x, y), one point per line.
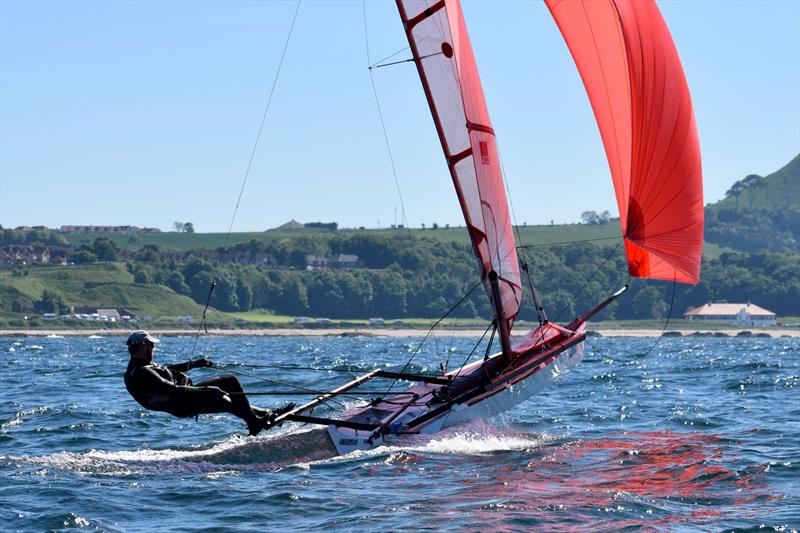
(409, 60)
(585, 283)
(450, 347)
(277, 382)
(386, 141)
(202, 320)
(664, 329)
(478, 284)
(475, 348)
(387, 57)
(561, 243)
(435, 344)
(290, 393)
(508, 192)
(247, 172)
(521, 247)
(469, 356)
(263, 121)
(284, 367)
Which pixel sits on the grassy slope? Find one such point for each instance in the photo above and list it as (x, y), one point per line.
(780, 189)
(189, 241)
(531, 235)
(100, 284)
(111, 284)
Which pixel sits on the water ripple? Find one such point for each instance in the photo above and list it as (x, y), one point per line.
(699, 434)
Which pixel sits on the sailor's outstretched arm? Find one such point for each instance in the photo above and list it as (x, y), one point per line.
(194, 363)
(149, 380)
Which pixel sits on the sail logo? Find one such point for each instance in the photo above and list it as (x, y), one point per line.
(484, 148)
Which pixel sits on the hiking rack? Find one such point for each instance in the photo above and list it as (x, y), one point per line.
(296, 415)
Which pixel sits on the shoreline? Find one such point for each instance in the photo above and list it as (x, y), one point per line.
(386, 332)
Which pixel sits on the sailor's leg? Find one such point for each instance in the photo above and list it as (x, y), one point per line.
(233, 385)
(238, 404)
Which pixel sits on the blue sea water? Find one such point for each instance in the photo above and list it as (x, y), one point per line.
(698, 434)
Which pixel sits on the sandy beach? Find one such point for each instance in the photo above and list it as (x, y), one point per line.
(387, 332)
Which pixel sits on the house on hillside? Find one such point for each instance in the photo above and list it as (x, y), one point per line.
(31, 228)
(108, 230)
(24, 255)
(346, 261)
(59, 257)
(317, 261)
(111, 315)
(246, 257)
(338, 261)
(740, 314)
(117, 313)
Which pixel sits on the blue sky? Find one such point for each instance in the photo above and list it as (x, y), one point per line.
(145, 113)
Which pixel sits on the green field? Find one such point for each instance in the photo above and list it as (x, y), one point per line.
(713, 251)
(100, 284)
(530, 235)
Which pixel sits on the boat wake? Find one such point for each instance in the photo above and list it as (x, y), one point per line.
(234, 454)
(291, 448)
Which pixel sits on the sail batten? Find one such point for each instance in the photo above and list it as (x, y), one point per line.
(443, 54)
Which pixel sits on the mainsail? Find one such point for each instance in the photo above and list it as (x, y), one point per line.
(443, 55)
(638, 91)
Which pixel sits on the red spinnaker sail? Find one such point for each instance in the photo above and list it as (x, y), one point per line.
(638, 91)
(443, 53)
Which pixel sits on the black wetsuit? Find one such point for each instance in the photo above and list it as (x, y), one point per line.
(167, 388)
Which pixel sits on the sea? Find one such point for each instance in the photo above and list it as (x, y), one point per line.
(683, 434)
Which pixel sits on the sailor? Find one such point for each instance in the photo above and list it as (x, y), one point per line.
(169, 389)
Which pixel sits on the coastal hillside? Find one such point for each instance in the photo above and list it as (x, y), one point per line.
(776, 190)
(320, 270)
(363, 275)
(183, 242)
(759, 213)
(57, 288)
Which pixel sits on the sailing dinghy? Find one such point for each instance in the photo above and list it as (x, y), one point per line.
(640, 98)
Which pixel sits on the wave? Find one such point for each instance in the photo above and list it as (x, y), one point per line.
(290, 448)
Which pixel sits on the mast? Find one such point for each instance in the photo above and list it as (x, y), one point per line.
(443, 55)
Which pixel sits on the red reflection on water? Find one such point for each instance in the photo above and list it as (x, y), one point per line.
(631, 479)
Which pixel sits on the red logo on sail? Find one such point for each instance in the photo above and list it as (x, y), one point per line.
(484, 147)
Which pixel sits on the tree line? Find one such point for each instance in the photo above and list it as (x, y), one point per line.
(776, 229)
(424, 278)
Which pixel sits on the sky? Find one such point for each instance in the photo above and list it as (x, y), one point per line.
(146, 113)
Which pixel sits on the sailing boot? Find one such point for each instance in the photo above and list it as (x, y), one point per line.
(278, 412)
(255, 424)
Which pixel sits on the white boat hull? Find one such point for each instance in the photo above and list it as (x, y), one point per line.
(497, 401)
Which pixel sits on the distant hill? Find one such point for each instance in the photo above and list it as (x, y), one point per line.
(779, 189)
(100, 284)
(759, 213)
(543, 234)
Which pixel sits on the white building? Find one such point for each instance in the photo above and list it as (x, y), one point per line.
(111, 315)
(740, 314)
